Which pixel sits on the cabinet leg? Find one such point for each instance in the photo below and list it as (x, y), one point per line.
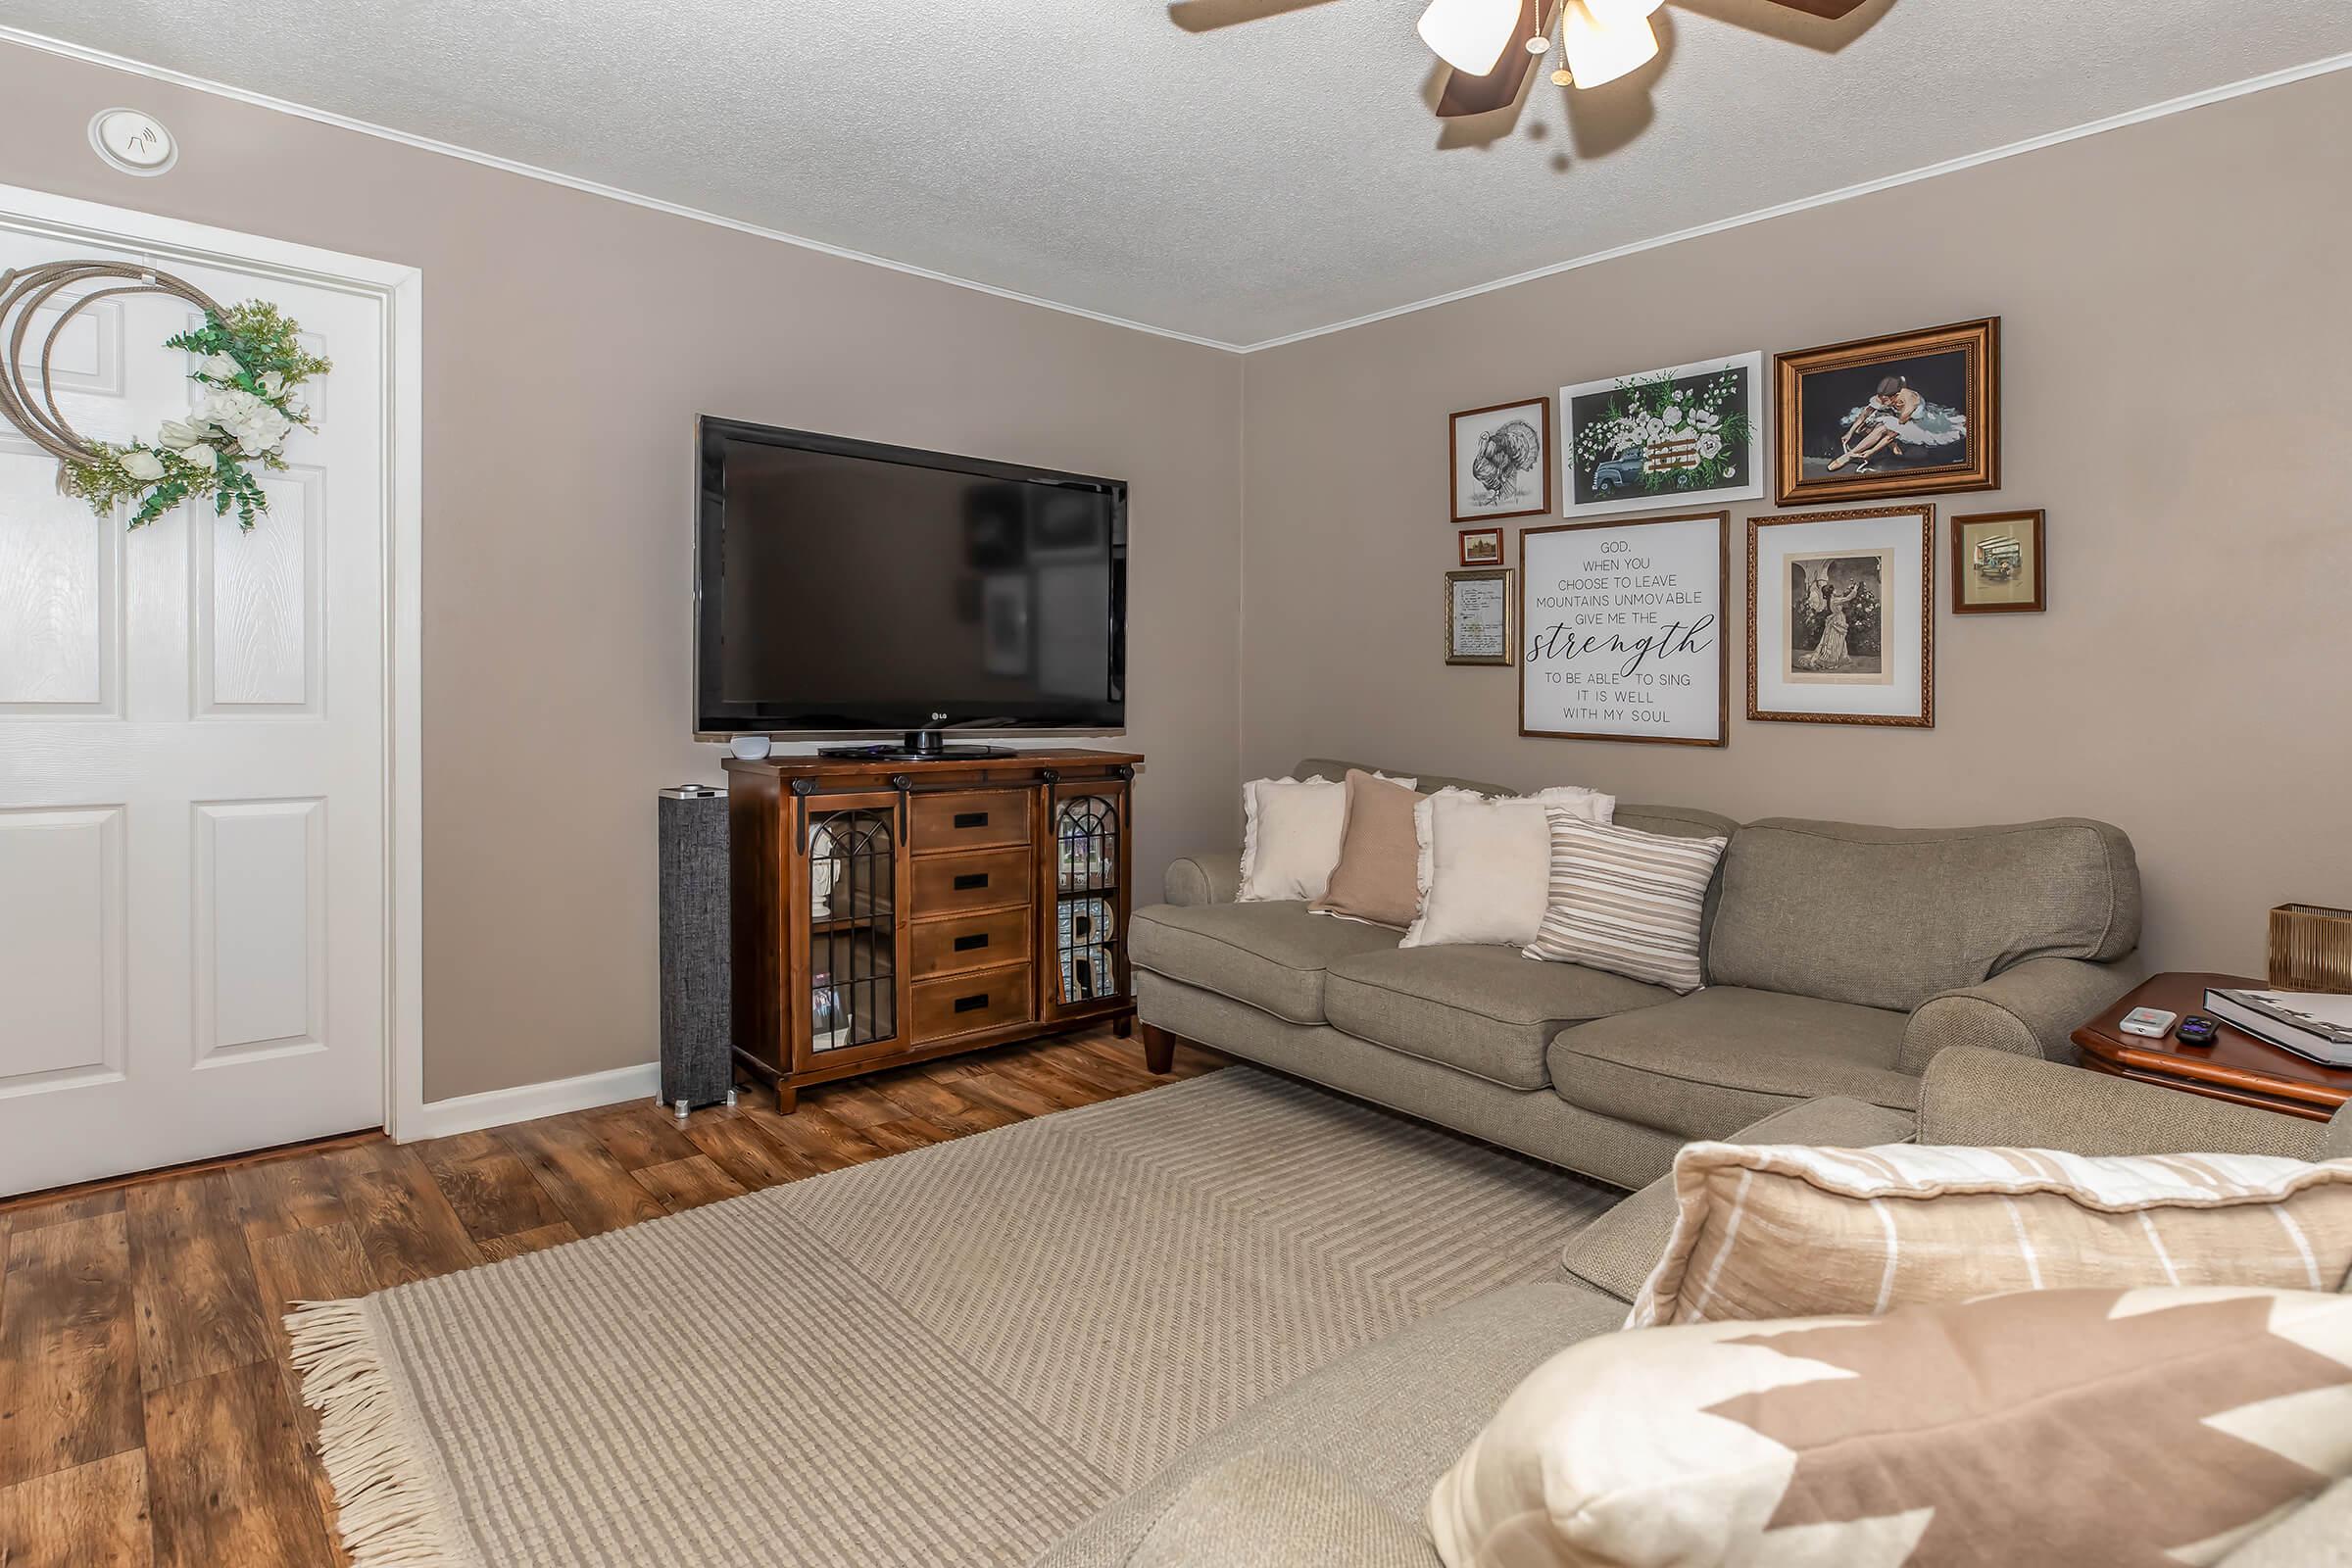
(1160, 1048)
(1123, 1025)
(788, 1100)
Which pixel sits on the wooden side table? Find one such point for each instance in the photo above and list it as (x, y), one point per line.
(2236, 1066)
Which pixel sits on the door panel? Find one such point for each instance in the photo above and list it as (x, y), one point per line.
(259, 935)
(60, 958)
(255, 611)
(192, 821)
(56, 593)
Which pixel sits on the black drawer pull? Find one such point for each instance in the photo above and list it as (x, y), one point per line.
(971, 1003)
(978, 939)
(970, 880)
(972, 819)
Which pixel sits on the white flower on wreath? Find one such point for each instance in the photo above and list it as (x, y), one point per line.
(273, 383)
(180, 434)
(142, 465)
(219, 367)
(255, 425)
(201, 455)
(1709, 444)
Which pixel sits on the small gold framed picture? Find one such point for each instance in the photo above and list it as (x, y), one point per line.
(1482, 547)
(1481, 618)
(1998, 563)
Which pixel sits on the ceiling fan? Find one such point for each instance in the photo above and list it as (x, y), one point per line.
(1600, 41)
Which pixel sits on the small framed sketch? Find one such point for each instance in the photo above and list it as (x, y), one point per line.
(1500, 461)
(1625, 630)
(1840, 616)
(1481, 626)
(1482, 547)
(1998, 564)
(1911, 414)
(1690, 434)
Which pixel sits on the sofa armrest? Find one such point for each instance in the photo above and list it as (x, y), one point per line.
(1615, 1253)
(2030, 1009)
(1272, 1510)
(1212, 877)
(1991, 1099)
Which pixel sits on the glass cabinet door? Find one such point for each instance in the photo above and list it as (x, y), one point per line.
(850, 907)
(1087, 939)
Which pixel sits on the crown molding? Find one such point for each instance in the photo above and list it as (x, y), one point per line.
(1762, 215)
(2118, 122)
(220, 89)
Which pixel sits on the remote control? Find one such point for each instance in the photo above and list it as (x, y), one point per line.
(2198, 1030)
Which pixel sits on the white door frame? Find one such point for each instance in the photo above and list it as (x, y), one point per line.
(401, 291)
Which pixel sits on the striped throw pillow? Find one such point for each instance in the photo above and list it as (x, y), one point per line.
(1625, 901)
(1767, 1231)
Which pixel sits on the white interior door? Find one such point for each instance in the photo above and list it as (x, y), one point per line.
(192, 797)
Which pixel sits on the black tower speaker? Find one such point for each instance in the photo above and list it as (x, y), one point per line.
(698, 1066)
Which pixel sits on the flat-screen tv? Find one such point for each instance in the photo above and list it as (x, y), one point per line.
(844, 587)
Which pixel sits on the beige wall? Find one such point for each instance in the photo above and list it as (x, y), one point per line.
(569, 341)
(2178, 395)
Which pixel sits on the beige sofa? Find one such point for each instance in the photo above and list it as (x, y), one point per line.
(1840, 959)
(1334, 1471)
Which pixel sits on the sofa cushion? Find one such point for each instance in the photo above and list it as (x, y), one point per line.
(1707, 1064)
(1273, 1511)
(1387, 1420)
(1887, 917)
(1271, 955)
(1482, 1010)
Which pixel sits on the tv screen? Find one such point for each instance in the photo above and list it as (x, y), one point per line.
(845, 586)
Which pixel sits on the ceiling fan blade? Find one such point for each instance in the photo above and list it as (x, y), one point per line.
(1207, 16)
(1498, 88)
(1827, 10)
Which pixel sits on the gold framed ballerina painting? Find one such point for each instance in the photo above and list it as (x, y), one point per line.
(1913, 414)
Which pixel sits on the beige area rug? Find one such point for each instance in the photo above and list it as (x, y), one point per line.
(949, 1356)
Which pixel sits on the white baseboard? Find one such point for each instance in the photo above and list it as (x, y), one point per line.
(496, 1108)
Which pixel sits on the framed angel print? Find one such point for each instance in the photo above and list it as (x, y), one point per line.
(1841, 616)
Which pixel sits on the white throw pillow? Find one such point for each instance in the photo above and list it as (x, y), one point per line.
(1486, 862)
(2107, 1425)
(1291, 836)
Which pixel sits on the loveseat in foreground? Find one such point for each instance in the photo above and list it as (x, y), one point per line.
(1337, 1469)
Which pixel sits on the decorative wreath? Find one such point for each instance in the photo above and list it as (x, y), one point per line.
(249, 367)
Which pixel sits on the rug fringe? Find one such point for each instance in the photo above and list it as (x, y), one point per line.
(383, 1503)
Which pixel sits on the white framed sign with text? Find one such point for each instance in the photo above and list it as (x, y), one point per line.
(1622, 631)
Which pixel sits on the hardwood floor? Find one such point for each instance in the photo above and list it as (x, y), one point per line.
(147, 1414)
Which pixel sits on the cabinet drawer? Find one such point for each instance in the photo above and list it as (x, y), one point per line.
(975, 819)
(970, 942)
(984, 879)
(960, 1003)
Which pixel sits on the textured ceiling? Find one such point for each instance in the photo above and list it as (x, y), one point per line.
(1235, 170)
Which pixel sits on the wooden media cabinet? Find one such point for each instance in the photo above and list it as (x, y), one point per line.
(889, 911)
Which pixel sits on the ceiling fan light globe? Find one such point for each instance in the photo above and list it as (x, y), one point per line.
(1599, 51)
(1470, 35)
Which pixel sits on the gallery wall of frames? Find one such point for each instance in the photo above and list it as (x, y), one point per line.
(1615, 614)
